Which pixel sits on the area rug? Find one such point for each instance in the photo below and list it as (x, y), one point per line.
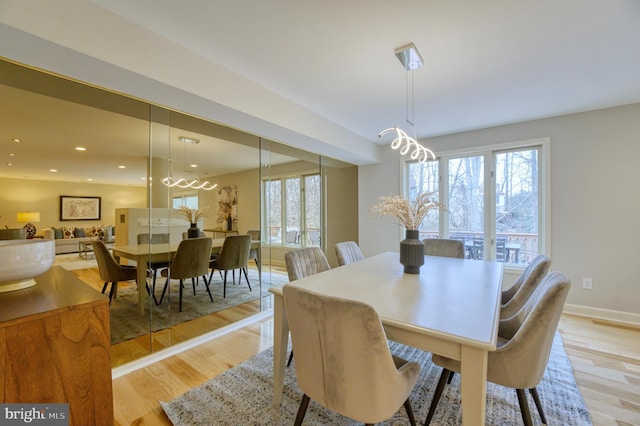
(127, 323)
(243, 394)
(73, 262)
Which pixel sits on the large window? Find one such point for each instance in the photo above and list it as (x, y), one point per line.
(494, 198)
(292, 210)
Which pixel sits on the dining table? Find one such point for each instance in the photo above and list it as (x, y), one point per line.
(163, 252)
(451, 308)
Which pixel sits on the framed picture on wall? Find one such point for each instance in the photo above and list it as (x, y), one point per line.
(79, 208)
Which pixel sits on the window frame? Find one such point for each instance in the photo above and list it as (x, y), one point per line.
(489, 152)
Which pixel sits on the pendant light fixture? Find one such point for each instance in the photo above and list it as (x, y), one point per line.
(411, 60)
(183, 182)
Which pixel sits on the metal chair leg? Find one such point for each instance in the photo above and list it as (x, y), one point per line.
(536, 399)
(444, 375)
(524, 407)
(302, 410)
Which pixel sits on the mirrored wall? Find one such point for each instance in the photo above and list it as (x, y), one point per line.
(148, 164)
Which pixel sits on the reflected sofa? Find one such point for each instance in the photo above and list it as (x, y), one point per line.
(67, 238)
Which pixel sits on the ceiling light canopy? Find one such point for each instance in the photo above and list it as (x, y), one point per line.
(411, 60)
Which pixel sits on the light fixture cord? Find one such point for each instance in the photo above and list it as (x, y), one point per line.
(411, 107)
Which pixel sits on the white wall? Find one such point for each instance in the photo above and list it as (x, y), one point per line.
(595, 200)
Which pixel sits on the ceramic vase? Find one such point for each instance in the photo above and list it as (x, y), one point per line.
(193, 231)
(412, 252)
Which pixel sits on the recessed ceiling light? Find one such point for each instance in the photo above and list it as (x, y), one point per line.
(122, 167)
(80, 148)
(193, 166)
(89, 180)
(53, 170)
(11, 154)
(9, 164)
(16, 140)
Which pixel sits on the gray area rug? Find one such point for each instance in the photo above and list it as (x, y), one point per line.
(127, 323)
(243, 394)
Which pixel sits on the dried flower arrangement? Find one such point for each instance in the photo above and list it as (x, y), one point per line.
(410, 214)
(193, 215)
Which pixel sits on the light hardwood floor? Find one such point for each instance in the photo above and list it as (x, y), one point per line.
(605, 358)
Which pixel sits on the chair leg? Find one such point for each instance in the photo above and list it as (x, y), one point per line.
(246, 277)
(536, 399)
(442, 381)
(302, 410)
(524, 407)
(407, 407)
(290, 358)
(164, 289)
(104, 287)
(206, 284)
(113, 289)
(224, 286)
(193, 283)
(180, 305)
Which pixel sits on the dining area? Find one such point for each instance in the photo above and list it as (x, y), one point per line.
(454, 308)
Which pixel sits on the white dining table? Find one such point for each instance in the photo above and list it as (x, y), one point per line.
(143, 253)
(451, 308)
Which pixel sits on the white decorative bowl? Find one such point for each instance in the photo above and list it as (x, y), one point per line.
(22, 260)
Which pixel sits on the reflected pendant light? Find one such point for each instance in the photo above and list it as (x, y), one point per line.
(182, 182)
(411, 60)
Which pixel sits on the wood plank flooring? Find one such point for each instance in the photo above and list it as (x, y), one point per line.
(605, 357)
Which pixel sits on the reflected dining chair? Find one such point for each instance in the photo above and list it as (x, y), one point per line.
(523, 349)
(443, 247)
(233, 255)
(302, 263)
(348, 252)
(110, 270)
(190, 261)
(153, 267)
(344, 362)
(516, 296)
(254, 253)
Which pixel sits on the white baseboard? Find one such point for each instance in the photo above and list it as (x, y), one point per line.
(181, 347)
(604, 314)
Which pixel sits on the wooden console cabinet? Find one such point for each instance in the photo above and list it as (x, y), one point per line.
(55, 347)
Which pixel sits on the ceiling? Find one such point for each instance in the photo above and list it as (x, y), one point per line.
(487, 63)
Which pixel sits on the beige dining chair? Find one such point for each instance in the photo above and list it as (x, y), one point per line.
(233, 255)
(518, 293)
(444, 247)
(190, 261)
(348, 252)
(343, 358)
(302, 263)
(153, 267)
(110, 270)
(523, 349)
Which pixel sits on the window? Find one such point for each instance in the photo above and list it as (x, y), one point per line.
(189, 200)
(494, 200)
(287, 222)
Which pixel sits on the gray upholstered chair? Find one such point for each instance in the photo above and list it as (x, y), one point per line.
(254, 253)
(110, 270)
(348, 252)
(302, 263)
(444, 248)
(13, 234)
(523, 348)
(344, 362)
(233, 255)
(516, 296)
(153, 267)
(190, 261)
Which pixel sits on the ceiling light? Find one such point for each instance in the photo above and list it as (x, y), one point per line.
(411, 60)
(53, 170)
(184, 182)
(122, 167)
(186, 139)
(80, 148)
(16, 140)
(11, 154)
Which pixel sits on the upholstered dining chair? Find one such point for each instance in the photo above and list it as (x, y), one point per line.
(348, 252)
(254, 253)
(190, 261)
(344, 362)
(523, 348)
(110, 270)
(153, 267)
(444, 247)
(302, 263)
(516, 296)
(233, 255)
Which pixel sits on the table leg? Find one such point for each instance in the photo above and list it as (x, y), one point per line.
(280, 341)
(473, 377)
(142, 285)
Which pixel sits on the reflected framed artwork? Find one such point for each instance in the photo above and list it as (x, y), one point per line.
(79, 208)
